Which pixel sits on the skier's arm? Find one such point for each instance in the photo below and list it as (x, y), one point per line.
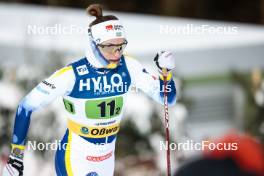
(45, 92)
(60, 83)
(151, 85)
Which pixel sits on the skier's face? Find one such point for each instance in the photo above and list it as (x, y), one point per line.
(113, 49)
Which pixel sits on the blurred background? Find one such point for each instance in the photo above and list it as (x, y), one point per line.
(219, 49)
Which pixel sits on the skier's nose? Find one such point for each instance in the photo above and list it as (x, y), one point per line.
(117, 53)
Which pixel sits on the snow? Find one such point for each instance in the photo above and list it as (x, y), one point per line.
(259, 98)
(259, 95)
(10, 95)
(17, 32)
(34, 165)
(139, 109)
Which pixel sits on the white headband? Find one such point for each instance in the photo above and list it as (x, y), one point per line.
(107, 30)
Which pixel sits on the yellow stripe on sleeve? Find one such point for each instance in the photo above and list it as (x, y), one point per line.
(61, 71)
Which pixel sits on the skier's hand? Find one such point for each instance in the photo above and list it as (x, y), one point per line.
(14, 165)
(165, 60)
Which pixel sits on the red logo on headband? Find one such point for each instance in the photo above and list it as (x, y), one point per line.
(109, 27)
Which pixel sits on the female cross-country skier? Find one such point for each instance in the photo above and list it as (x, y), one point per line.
(94, 91)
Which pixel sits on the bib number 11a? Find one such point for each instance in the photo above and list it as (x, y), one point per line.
(104, 108)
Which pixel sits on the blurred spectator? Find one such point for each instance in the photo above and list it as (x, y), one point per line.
(247, 160)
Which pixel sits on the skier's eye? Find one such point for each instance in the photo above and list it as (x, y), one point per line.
(113, 45)
(112, 48)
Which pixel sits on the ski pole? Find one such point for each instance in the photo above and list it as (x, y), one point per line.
(166, 110)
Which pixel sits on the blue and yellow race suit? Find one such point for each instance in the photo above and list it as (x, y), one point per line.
(94, 99)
